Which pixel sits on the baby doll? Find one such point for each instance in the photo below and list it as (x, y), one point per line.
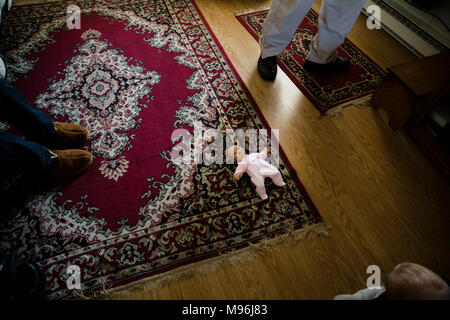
(256, 167)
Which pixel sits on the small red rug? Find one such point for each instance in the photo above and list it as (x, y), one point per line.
(133, 73)
(327, 91)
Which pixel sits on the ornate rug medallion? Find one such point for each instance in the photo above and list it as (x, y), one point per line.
(110, 88)
(132, 74)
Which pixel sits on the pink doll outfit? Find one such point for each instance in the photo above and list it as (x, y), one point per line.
(257, 168)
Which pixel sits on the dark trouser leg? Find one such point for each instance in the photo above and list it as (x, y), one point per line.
(18, 153)
(22, 163)
(16, 110)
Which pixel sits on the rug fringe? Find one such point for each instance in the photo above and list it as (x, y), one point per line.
(338, 111)
(251, 10)
(289, 238)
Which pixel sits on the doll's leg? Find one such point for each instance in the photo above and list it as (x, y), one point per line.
(273, 173)
(277, 178)
(261, 190)
(259, 184)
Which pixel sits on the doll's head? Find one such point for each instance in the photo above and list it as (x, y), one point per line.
(236, 153)
(410, 281)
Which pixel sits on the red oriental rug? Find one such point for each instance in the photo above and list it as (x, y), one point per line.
(328, 92)
(133, 73)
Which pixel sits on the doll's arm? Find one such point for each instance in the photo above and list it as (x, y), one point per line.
(240, 170)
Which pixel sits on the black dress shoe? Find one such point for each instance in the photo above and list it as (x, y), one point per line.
(339, 65)
(267, 68)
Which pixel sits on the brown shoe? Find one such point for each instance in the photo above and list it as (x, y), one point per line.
(69, 163)
(68, 135)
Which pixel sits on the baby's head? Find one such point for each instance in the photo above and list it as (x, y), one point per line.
(410, 281)
(236, 153)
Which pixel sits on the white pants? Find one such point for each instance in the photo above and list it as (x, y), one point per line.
(336, 19)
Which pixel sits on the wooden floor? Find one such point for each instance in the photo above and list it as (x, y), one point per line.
(384, 200)
(382, 197)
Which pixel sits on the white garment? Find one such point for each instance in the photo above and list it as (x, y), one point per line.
(2, 4)
(364, 294)
(336, 19)
(2, 69)
(6, 8)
